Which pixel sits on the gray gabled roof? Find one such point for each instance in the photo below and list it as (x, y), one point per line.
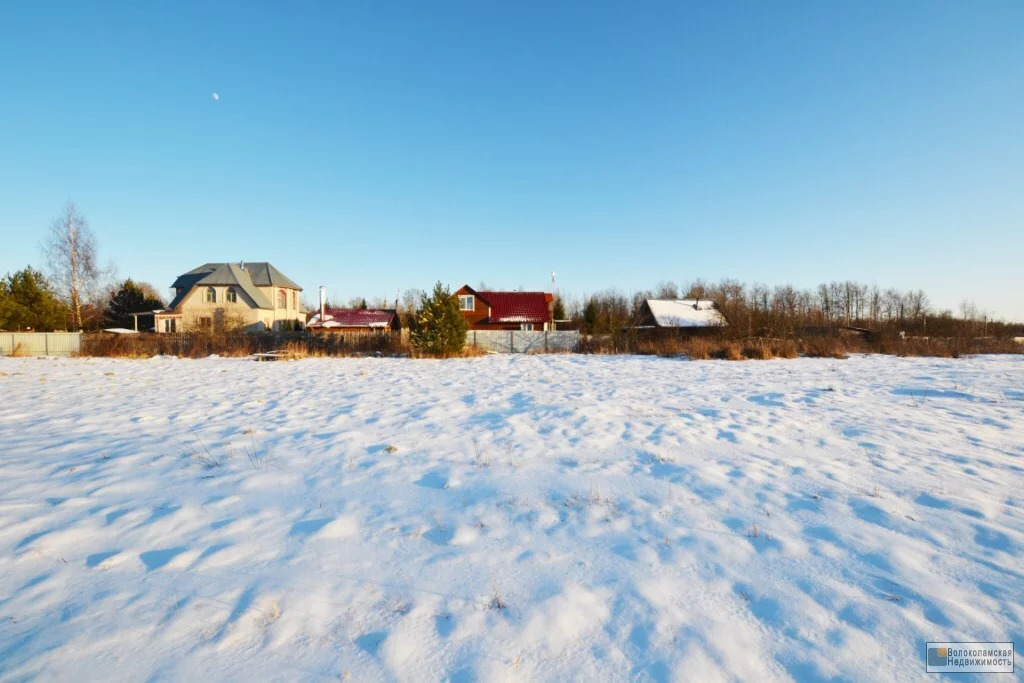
(265, 275)
(246, 277)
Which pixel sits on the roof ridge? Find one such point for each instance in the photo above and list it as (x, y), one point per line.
(511, 291)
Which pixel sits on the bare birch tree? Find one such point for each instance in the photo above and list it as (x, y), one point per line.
(70, 250)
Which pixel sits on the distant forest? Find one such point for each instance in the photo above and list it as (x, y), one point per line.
(784, 311)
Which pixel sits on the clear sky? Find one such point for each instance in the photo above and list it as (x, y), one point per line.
(378, 146)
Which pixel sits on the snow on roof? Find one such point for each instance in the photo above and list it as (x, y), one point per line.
(685, 313)
(518, 307)
(353, 317)
(119, 330)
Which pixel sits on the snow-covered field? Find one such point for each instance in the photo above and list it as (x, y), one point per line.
(536, 518)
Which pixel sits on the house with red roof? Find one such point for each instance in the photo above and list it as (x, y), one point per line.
(364, 320)
(506, 310)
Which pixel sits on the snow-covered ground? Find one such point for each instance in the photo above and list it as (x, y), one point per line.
(536, 518)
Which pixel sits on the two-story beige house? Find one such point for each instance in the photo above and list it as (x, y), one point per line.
(253, 297)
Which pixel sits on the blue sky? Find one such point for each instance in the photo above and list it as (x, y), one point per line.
(375, 146)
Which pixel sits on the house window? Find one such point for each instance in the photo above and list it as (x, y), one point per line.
(205, 323)
(282, 299)
(170, 325)
(231, 296)
(526, 327)
(295, 300)
(211, 295)
(466, 302)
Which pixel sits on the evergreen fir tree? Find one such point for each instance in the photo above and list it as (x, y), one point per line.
(590, 316)
(129, 298)
(440, 329)
(559, 309)
(28, 302)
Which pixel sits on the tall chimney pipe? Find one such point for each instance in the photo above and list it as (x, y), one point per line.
(323, 304)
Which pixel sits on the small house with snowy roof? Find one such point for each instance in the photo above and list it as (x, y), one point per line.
(691, 315)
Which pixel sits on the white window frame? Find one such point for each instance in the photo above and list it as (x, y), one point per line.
(467, 298)
(526, 327)
(230, 296)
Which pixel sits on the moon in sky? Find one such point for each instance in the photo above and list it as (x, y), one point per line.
(216, 96)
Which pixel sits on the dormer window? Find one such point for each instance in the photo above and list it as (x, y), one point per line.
(231, 296)
(466, 302)
(211, 295)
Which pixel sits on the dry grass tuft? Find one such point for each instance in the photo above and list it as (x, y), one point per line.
(496, 600)
(731, 351)
(823, 347)
(758, 351)
(20, 351)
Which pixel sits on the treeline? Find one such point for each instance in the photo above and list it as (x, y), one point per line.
(30, 302)
(784, 311)
(74, 293)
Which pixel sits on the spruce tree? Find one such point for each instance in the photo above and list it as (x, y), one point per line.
(129, 298)
(440, 329)
(590, 316)
(558, 311)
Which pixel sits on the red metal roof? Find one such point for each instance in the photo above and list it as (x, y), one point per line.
(353, 317)
(518, 307)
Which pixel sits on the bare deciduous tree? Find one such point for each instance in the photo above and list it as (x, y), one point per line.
(667, 290)
(70, 250)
